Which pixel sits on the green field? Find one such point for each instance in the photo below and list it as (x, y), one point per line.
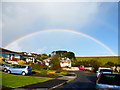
(11, 80)
(103, 60)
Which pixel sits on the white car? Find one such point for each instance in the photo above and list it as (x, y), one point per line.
(104, 70)
(4, 66)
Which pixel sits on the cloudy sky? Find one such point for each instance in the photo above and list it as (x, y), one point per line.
(43, 27)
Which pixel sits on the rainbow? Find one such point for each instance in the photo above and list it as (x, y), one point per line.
(65, 30)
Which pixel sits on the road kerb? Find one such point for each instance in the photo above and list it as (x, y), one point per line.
(63, 83)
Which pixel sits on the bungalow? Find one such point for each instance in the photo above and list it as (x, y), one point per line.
(10, 55)
(16, 56)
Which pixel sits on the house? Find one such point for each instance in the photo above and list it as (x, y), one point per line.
(29, 57)
(64, 62)
(10, 55)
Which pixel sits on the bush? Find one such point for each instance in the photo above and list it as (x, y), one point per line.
(38, 66)
(20, 62)
(2, 59)
(56, 67)
(58, 71)
(109, 64)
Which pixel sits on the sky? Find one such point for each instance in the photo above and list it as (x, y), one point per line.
(38, 23)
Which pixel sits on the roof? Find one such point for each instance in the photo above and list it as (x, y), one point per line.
(2, 50)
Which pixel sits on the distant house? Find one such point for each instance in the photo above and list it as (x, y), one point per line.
(16, 56)
(47, 61)
(64, 62)
(10, 55)
(29, 57)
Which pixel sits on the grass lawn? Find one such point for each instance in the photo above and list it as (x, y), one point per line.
(14, 81)
(103, 60)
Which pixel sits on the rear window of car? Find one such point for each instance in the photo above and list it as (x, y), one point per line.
(111, 79)
(106, 70)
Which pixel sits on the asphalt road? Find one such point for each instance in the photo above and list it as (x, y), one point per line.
(84, 81)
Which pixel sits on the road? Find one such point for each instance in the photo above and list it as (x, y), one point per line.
(84, 80)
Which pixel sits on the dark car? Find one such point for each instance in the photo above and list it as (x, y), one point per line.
(108, 81)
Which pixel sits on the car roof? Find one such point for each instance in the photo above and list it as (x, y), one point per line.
(24, 65)
(103, 68)
(111, 73)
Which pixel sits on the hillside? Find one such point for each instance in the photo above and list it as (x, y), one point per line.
(102, 59)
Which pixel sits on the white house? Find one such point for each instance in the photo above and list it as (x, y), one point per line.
(65, 62)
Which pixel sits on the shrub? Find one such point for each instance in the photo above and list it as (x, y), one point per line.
(109, 64)
(38, 66)
(21, 62)
(56, 67)
(50, 72)
(58, 71)
(2, 59)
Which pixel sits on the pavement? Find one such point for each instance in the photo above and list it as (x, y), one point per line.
(51, 84)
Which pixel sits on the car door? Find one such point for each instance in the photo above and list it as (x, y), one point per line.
(18, 69)
(14, 69)
(1, 67)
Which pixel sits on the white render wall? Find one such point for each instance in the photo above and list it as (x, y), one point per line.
(65, 64)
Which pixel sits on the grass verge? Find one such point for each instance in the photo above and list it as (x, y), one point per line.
(53, 72)
(14, 81)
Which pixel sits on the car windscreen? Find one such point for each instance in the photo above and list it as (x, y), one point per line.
(106, 70)
(111, 79)
(7, 65)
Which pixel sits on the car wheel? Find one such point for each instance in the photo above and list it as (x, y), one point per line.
(5, 70)
(23, 73)
(9, 71)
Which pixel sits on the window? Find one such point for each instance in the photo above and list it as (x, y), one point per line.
(111, 79)
(106, 70)
(23, 67)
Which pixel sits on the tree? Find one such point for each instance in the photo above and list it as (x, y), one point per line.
(42, 57)
(55, 62)
(69, 55)
(60, 53)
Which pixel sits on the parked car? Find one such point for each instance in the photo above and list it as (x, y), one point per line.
(107, 81)
(104, 70)
(1, 67)
(20, 69)
(4, 66)
(86, 68)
